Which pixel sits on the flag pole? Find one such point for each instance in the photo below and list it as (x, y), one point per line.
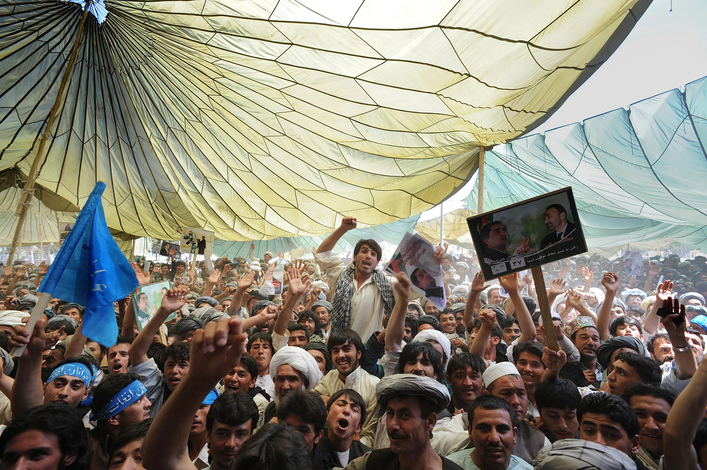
(28, 192)
(62, 259)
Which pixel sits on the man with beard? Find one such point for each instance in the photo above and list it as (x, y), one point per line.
(411, 404)
(493, 429)
(661, 348)
(495, 238)
(346, 410)
(556, 222)
(323, 310)
(293, 369)
(585, 336)
(346, 348)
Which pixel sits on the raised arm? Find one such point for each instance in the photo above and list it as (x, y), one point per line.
(244, 283)
(480, 343)
(675, 324)
(611, 283)
(662, 294)
(297, 288)
(265, 315)
(171, 302)
(78, 341)
(211, 281)
(215, 350)
(348, 223)
(682, 423)
(28, 390)
(513, 286)
(18, 275)
(396, 324)
(575, 301)
(477, 287)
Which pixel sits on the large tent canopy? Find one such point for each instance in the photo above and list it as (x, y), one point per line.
(638, 174)
(266, 119)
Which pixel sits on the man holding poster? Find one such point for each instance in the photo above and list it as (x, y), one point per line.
(362, 293)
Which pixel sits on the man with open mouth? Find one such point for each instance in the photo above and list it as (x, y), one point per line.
(346, 410)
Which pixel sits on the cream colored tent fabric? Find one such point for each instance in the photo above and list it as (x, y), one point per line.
(38, 214)
(264, 119)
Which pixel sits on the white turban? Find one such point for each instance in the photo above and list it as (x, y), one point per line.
(12, 318)
(437, 336)
(301, 361)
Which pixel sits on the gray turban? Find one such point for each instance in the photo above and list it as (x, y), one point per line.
(426, 388)
(322, 303)
(578, 453)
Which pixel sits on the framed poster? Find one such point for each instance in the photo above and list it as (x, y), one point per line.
(147, 300)
(527, 234)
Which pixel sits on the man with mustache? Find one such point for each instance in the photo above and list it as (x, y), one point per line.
(493, 429)
(556, 222)
(411, 405)
(496, 240)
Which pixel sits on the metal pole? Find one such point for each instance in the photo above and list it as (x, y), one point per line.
(441, 223)
(482, 151)
(28, 193)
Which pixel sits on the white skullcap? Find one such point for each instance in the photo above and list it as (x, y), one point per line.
(321, 285)
(434, 335)
(12, 318)
(496, 371)
(301, 361)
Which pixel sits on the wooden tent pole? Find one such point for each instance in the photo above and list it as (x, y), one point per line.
(28, 193)
(482, 151)
(441, 223)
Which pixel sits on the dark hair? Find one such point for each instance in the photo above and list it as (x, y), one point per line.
(411, 351)
(158, 353)
(340, 337)
(178, 351)
(298, 327)
(60, 420)
(530, 347)
(508, 322)
(180, 263)
(624, 320)
(491, 402)
(233, 409)
(486, 229)
(651, 342)
(250, 365)
(109, 387)
(613, 407)
(67, 360)
(69, 306)
(530, 303)
(321, 347)
(646, 368)
(464, 359)
(260, 336)
(557, 393)
(307, 406)
(354, 396)
(692, 331)
(559, 208)
(496, 331)
(372, 244)
(131, 433)
(276, 446)
(314, 317)
(647, 390)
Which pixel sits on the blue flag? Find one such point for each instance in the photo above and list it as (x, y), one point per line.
(90, 270)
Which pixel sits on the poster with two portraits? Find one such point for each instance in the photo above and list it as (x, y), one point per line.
(527, 234)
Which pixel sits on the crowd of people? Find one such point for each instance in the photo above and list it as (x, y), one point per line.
(338, 365)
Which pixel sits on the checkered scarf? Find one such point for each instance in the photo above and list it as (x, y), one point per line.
(341, 314)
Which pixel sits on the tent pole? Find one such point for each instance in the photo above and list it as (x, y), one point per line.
(441, 223)
(28, 193)
(482, 151)
(41, 238)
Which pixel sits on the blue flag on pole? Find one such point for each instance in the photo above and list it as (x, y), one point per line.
(90, 270)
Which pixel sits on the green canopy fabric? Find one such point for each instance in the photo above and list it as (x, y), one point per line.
(638, 174)
(266, 119)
